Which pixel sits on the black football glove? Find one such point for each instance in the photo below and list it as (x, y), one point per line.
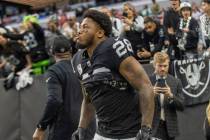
(144, 134)
(79, 134)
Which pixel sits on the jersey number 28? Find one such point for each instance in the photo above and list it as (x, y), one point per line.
(122, 47)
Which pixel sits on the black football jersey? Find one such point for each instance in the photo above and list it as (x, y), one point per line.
(115, 102)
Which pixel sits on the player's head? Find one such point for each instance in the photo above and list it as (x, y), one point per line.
(161, 63)
(95, 26)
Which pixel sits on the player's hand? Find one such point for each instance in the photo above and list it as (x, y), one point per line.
(79, 134)
(38, 134)
(144, 134)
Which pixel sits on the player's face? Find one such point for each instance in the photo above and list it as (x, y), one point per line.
(162, 68)
(87, 33)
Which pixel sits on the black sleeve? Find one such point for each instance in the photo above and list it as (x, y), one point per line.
(194, 29)
(166, 20)
(54, 99)
(177, 101)
(19, 48)
(14, 36)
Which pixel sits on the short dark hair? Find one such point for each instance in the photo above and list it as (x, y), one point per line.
(101, 19)
(148, 19)
(206, 1)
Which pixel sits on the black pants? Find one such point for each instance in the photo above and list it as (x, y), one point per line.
(162, 132)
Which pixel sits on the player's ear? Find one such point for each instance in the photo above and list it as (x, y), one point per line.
(100, 33)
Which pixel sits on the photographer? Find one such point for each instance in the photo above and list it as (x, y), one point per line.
(132, 26)
(168, 99)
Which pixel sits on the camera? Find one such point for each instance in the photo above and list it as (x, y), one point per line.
(125, 14)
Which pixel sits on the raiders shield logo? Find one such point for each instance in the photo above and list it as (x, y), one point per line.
(194, 75)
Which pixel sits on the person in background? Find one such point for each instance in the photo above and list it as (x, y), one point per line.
(146, 11)
(205, 25)
(132, 27)
(62, 110)
(187, 33)
(116, 23)
(154, 39)
(155, 8)
(168, 99)
(171, 23)
(70, 29)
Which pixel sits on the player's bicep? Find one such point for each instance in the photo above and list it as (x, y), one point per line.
(134, 73)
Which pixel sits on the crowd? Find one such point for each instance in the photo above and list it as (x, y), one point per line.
(180, 31)
(151, 35)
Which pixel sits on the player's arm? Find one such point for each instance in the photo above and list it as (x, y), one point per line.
(84, 130)
(134, 73)
(87, 112)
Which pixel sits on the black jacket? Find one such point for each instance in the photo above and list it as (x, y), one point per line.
(62, 109)
(157, 39)
(171, 105)
(192, 36)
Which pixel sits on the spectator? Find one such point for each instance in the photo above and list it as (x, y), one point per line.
(188, 32)
(154, 38)
(15, 56)
(130, 18)
(155, 8)
(205, 24)
(70, 29)
(132, 26)
(34, 39)
(168, 99)
(62, 109)
(196, 12)
(146, 11)
(116, 23)
(171, 23)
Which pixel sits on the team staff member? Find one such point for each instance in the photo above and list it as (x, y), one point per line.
(62, 109)
(107, 71)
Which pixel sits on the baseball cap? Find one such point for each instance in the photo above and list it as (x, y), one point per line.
(60, 44)
(185, 5)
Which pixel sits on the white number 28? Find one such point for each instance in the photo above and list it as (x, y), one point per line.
(122, 47)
